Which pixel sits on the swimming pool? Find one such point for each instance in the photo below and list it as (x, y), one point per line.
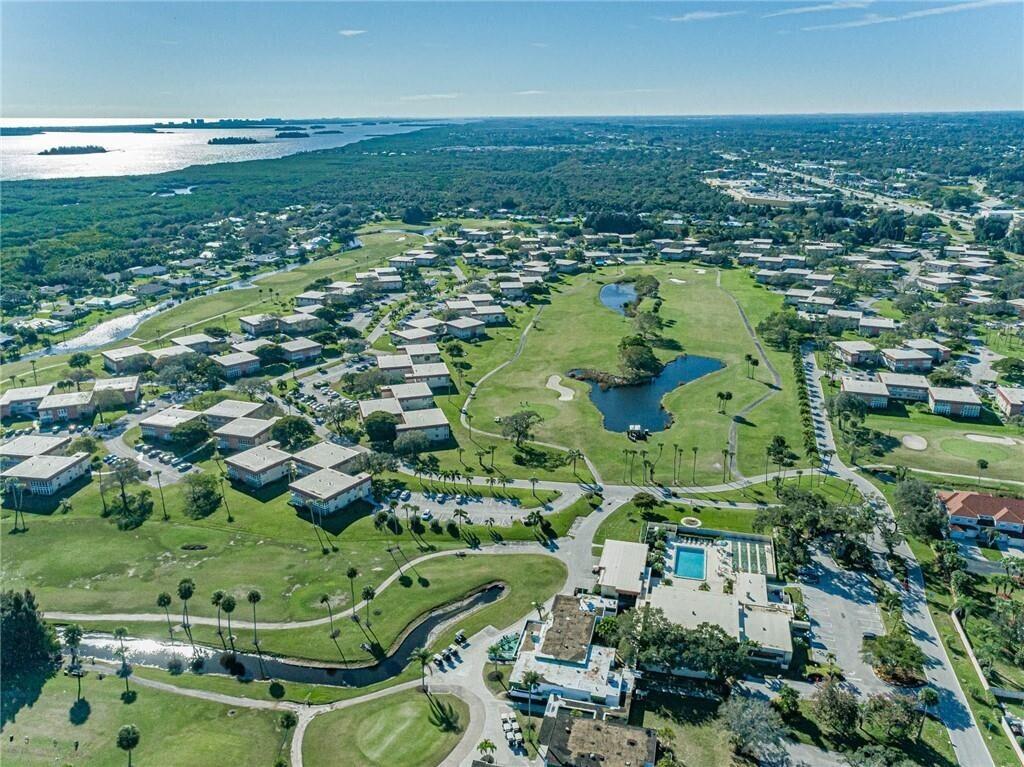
(690, 563)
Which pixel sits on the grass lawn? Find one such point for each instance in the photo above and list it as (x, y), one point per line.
(431, 584)
(175, 730)
(833, 489)
(700, 738)
(700, 319)
(625, 522)
(407, 729)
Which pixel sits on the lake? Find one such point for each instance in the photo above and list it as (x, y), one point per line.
(130, 154)
(616, 295)
(624, 406)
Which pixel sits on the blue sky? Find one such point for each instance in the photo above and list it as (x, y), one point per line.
(93, 60)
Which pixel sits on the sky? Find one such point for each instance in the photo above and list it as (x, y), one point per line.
(124, 60)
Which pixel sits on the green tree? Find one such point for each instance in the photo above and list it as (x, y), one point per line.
(755, 728)
(381, 427)
(253, 598)
(227, 604)
(519, 426)
(127, 739)
(163, 601)
(835, 708)
(28, 642)
(423, 655)
(293, 432)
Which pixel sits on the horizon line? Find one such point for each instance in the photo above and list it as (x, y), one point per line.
(93, 122)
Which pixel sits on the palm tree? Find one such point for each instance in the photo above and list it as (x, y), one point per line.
(119, 634)
(73, 638)
(694, 477)
(982, 465)
(928, 698)
(493, 653)
(461, 515)
(422, 654)
(325, 600)
(748, 358)
(186, 588)
(352, 574)
(163, 599)
(530, 681)
(127, 739)
(368, 594)
(215, 599)
(227, 604)
(253, 598)
(486, 747)
(575, 455)
(533, 485)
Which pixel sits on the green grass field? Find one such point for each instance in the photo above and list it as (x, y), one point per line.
(431, 584)
(949, 450)
(407, 729)
(175, 730)
(625, 523)
(701, 319)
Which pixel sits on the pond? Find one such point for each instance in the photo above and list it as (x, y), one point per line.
(158, 653)
(624, 406)
(615, 295)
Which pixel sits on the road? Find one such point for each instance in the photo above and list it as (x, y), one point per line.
(953, 710)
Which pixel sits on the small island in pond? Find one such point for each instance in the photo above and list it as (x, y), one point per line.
(228, 140)
(292, 134)
(326, 132)
(88, 149)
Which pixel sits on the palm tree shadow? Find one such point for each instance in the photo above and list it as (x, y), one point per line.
(79, 713)
(443, 715)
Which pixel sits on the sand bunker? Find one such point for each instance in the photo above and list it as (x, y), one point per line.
(702, 271)
(677, 281)
(993, 440)
(564, 392)
(914, 442)
(690, 522)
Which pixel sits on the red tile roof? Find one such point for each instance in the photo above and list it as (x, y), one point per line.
(960, 504)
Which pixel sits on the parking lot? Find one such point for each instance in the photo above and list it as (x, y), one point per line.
(842, 609)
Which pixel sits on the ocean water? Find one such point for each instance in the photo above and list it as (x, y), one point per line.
(169, 149)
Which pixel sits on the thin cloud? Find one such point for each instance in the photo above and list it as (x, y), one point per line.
(351, 32)
(530, 93)
(839, 5)
(539, 45)
(872, 19)
(704, 16)
(430, 97)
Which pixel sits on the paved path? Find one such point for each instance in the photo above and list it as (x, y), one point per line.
(953, 711)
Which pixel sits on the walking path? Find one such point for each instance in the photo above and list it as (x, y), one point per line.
(776, 378)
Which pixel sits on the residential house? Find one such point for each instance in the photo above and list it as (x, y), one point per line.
(298, 324)
(237, 364)
(161, 425)
(970, 513)
(622, 571)
(228, 410)
(126, 359)
(1009, 400)
(197, 342)
(874, 394)
(856, 352)
(327, 491)
(28, 446)
(46, 474)
(126, 387)
(466, 328)
(258, 324)
(875, 326)
(960, 401)
(244, 433)
(301, 350)
(905, 386)
(23, 402)
(933, 349)
(259, 466)
(72, 406)
(904, 360)
(328, 455)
